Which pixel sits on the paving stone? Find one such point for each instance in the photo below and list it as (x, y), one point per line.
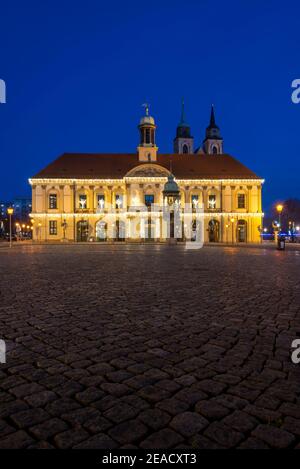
(128, 432)
(153, 393)
(9, 408)
(292, 410)
(97, 424)
(121, 412)
(163, 439)
(173, 406)
(240, 421)
(40, 399)
(115, 389)
(100, 441)
(47, 429)
(188, 423)
(253, 443)
(223, 435)
(211, 410)
(201, 442)
(59, 406)
(292, 425)
(190, 396)
(154, 418)
(41, 445)
(27, 418)
(80, 416)
(5, 429)
(274, 437)
(16, 440)
(70, 438)
(89, 395)
(26, 389)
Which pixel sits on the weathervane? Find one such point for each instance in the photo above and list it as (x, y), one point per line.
(146, 106)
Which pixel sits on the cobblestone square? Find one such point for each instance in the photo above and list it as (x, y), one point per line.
(149, 346)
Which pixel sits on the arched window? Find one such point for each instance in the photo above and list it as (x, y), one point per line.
(215, 150)
(185, 149)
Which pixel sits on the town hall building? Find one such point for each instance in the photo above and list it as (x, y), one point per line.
(75, 197)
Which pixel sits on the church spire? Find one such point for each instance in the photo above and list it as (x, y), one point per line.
(213, 143)
(183, 142)
(182, 120)
(212, 117)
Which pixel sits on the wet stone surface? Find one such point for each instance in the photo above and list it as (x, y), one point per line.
(149, 346)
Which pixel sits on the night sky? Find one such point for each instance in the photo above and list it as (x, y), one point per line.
(77, 73)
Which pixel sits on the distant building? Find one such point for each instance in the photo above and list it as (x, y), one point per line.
(3, 209)
(22, 208)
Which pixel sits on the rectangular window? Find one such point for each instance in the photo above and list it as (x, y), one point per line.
(100, 201)
(149, 200)
(52, 201)
(212, 201)
(195, 200)
(82, 201)
(53, 227)
(119, 201)
(241, 201)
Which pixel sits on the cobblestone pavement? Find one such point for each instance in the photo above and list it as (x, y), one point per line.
(149, 346)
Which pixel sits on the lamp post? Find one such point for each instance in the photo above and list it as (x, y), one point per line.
(10, 212)
(279, 209)
(232, 225)
(226, 226)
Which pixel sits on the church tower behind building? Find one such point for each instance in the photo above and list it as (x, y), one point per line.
(213, 143)
(183, 142)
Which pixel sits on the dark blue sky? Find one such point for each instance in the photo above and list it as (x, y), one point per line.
(77, 73)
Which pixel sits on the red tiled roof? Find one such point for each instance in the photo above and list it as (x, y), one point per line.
(115, 166)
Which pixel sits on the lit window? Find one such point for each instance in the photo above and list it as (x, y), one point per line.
(149, 200)
(101, 201)
(119, 201)
(52, 201)
(83, 201)
(195, 200)
(212, 201)
(241, 201)
(53, 227)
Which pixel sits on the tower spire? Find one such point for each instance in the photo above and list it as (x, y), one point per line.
(212, 117)
(213, 143)
(183, 142)
(182, 120)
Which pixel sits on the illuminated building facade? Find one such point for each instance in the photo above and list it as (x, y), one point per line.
(75, 197)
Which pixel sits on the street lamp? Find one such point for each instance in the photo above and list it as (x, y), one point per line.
(232, 221)
(279, 209)
(227, 226)
(10, 212)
